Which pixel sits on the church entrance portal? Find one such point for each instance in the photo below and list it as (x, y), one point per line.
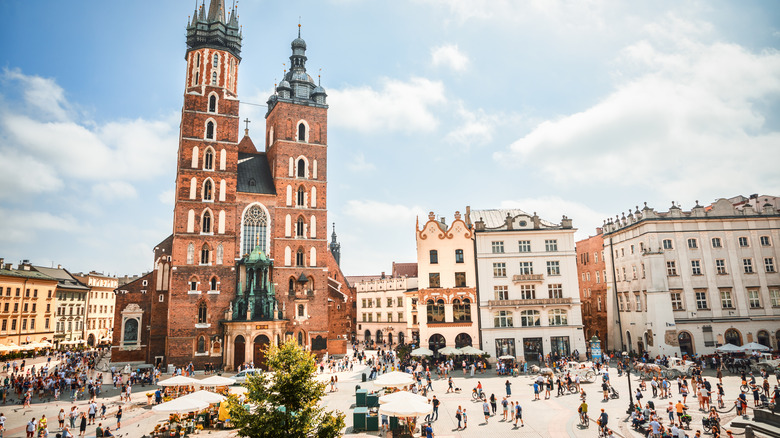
(260, 344)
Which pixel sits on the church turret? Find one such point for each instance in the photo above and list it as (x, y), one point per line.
(213, 31)
(297, 85)
(335, 247)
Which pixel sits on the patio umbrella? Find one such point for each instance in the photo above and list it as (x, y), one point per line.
(422, 351)
(450, 351)
(403, 396)
(408, 408)
(506, 357)
(181, 405)
(217, 381)
(471, 350)
(178, 381)
(394, 379)
(754, 346)
(206, 396)
(238, 390)
(729, 348)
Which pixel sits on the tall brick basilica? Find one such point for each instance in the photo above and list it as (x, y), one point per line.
(248, 263)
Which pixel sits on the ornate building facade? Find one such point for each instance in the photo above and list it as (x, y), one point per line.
(248, 263)
(592, 273)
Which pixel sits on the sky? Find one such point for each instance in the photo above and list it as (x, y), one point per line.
(577, 108)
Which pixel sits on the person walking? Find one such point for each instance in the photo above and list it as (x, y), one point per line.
(119, 418)
(486, 410)
(83, 425)
(31, 428)
(459, 416)
(508, 386)
(493, 403)
(61, 419)
(465, 419)
(519, 415)
(435, 403)
(505, 408)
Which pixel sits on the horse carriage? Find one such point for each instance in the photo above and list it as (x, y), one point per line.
(737, 365)
(765, 363)
(582, 369)
(678, 367)
(649, 370)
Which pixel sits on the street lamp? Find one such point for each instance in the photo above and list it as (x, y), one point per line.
(628, 376)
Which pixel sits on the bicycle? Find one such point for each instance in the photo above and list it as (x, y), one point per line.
(584, 420)
(602, 430)
(475, 395)
(748, 389)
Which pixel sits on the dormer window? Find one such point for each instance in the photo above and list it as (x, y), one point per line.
(252, 182)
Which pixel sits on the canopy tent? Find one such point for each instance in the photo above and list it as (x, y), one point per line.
(729, 348)
(181, 405)
(406, 408)
(206, 396)
(471, 350)
(422, 351)
(402, 396)
(217, 381)
(178, 381)
(238, 390)
(754, 346)
(449, 351)
(394, 379)
(506, 357)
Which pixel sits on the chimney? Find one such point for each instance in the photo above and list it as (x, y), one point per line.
(442, 221)
(8, 266)
(25, 265)
(59, 266)
(508, 221)
(2, 262)
(479, 225)
(566, 222)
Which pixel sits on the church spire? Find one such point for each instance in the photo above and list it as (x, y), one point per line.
(335, 247)
(213, 31)
(216, 11)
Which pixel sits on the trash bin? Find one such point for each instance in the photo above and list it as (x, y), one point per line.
(364, 377)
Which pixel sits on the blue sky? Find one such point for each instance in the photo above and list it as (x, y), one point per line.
(559, 107)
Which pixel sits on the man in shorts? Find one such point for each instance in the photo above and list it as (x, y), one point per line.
(519, 415)
(486, 410)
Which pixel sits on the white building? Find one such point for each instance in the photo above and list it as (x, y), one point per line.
(100, 307)
(446, 308)
(688, 282)
(381, 309)
(528, 289)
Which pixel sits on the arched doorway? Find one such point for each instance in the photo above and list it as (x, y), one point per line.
(91, 340)
(379, 336)
(628, 340)
(260, 344)
(462, 340)
(435, 342)
(732, 336)
(401, 338)
(686, 343)
(390, 338)
(239, 351)
(640, 347)
(763, 338)
(367, 335)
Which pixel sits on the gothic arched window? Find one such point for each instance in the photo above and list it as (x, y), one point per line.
(299, 258)
(299, 228)
(216, 60)
(202, 312)
(301, 168)
(190, 254)
(202, 344)
(213, 104)
(206, 222)
(254, 229)
(210, 130)
(208, 190)
(214, 78)
(301, 196)
(204, 255)
(213, 283)
(301, 310)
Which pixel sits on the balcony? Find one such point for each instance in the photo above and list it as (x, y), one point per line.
(528, 278)
(531, 302)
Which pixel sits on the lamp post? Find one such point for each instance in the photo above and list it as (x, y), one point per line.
(628, 376)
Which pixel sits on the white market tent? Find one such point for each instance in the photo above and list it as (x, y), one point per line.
(407, 408)
(754, 346)
(394, 379)
(217, 381)
(178, 381)
(506, 357)
(422, 351)
(402, 396)
(729, 348)
(206, 396)
(471, 350)
(181, 405)
(450, 351)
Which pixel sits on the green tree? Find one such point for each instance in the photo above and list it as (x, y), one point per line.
(283, 402)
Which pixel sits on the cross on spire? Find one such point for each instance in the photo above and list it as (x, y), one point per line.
(246, 130)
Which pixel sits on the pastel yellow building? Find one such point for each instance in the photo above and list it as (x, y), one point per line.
(100, 307)
(26, 305)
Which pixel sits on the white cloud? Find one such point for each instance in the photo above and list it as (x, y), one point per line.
(396, 106)
(23, 175)
(449, 56)
(678, 128)
(376, 212)
(43, 95)
(476, 128)
(359, 164)
(21, 226)
(114, 191)
(167, 197)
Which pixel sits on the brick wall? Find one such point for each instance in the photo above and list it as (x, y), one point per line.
(590, 261)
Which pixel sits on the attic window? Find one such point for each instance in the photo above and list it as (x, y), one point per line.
(252, 182)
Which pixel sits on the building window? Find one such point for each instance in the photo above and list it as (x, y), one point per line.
(502, 318)
(434, 280)
(301, 132)
(524, 245)
(301, 198)
(299, 228)
(720, 266)
(693, 243)
(774, 296)
(206, 222)
(632, 249)
(204, 255)
(500, 292)
(695, 267)
(399, 302)
(668, 244)
(400, 316)
(599, 303)
(364, 303)
(210, 130)
(435, 311)
(254, 229)
(208, 162)
(701, 300)
(754, 298)
(638, 300)
(461, 311)
(460, 279)
(527, 291)
(299, 261)
(747, 265)
(765, 241)
(212, 104)
(671, 268)
(301, 311)
(551, 245)
(530, 318)
(378, 303)
(202, 313)
(389, 302)
(497, 247)
(499, 269)
(553, 268)
(301, 168)
(526, 268)
(769, 264)
(633, 273)
(458, 256)
(716, 243)
(725, 299)
(201, 344)
(555, 290)
(389, 317)
(557, 317)
(598, 277)
(434, 256)
(213, 283)
(214, 78)
(743, 242)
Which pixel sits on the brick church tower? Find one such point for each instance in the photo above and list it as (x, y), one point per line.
(204, 230)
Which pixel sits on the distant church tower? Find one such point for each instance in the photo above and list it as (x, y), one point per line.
(335, 247)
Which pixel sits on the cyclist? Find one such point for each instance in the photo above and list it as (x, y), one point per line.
(583, 410)
(603, 421)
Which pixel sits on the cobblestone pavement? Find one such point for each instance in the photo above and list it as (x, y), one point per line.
(555, 417)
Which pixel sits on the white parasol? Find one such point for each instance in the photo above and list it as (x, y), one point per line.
(402, 396)
(422, 351)
(729, 348)
(450, 351)
(471, 350)
(506, 358)
(407, 408)
(178, 381)
(754, 346)
(394, 379)
(217, 381)
(181, 405)
(206, 396)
